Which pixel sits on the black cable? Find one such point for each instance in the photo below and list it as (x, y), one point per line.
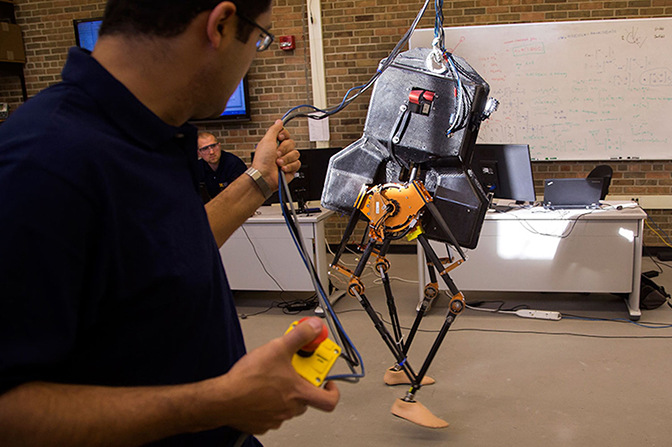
(664, 264)
(657, 262)
(348, 351)
(244, 315)
(347, 100)
(647, 252)
(297, 306)
(500, 308)
(648, 325)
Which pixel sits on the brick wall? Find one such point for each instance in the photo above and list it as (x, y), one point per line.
(47, 34)
(357, 34)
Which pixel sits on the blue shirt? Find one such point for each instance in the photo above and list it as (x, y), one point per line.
(109, 273)
(230, 168)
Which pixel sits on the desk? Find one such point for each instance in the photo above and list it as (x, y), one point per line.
(538, 250)
(261, 254)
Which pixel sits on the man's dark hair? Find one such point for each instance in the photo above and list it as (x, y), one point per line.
(169, 18)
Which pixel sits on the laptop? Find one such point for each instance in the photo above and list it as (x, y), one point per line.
(572, 193)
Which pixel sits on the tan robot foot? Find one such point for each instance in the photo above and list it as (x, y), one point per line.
(393, 377)
(417, 413)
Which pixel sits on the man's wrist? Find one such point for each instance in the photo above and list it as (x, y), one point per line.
(260, 182)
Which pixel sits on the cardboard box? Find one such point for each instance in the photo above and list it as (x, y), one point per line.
(11, 43)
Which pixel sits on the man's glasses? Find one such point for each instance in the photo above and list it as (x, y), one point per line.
(207, 148)
(266, 38)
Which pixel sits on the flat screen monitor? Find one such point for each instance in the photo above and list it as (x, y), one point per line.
(308, 181)
(238, 107)
(505, 170)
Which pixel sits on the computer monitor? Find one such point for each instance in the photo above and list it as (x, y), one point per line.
(505, 170)
(308, 182)
(237, 108)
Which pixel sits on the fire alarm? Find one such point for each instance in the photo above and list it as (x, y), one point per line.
(287, 43)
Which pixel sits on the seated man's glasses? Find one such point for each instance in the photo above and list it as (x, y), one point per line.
(207, 148)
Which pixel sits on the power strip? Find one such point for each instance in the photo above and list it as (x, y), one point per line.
(539, 314)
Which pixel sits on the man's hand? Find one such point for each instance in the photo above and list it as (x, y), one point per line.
(260, 392)
(264, 390)
(276, 149)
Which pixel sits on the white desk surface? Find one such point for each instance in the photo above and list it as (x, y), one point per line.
(273, 214)
(610, 210)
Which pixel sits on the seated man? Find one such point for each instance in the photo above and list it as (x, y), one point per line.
(217, 168)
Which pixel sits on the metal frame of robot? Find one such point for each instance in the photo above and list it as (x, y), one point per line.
(389, 225)
(393, 210)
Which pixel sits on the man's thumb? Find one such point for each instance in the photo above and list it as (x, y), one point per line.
(274, 130)
(303, 334)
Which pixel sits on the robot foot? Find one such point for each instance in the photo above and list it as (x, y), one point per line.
(417, 413)
(393, 377)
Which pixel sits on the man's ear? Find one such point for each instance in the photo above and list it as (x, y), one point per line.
(221, 24)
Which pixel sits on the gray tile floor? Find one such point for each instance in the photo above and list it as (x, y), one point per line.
(502, 380)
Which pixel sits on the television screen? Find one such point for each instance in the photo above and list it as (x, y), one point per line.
(505, 170)
(86, 33)
(238, 107)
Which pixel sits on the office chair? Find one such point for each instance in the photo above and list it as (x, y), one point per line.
(605, 172)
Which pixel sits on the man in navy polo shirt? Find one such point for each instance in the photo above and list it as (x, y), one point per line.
(217, 168)
(117, 324)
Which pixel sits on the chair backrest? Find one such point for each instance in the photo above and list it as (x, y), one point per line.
(605, 172)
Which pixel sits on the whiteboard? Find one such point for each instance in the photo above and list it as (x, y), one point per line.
(587, 90)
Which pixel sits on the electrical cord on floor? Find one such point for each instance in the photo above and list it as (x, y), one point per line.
(476, 305)
(288, 307)
(646, 252)
(294, 307)
(620, 320)
(569, 334)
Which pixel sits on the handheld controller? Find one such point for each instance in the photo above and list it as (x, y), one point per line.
(314, 360)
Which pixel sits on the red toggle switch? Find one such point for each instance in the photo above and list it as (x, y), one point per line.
(420, 101)
(414, 96)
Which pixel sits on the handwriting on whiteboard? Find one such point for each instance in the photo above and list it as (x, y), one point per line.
(575, 90)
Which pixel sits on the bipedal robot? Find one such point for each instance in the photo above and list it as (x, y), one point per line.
(409, 176)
